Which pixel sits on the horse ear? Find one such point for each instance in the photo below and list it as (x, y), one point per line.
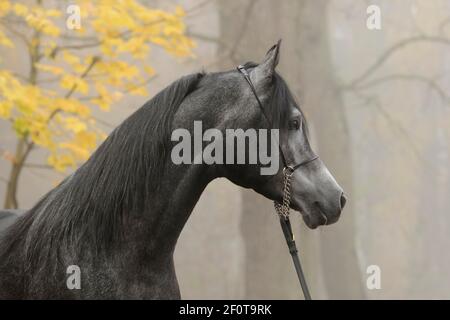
(273, 55)
(262, 74)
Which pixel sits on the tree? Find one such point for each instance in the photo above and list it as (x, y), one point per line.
(303, 25)
(333, 267)
(75, 69)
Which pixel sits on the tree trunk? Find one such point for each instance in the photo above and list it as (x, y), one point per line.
(16, 168)
(248, 30)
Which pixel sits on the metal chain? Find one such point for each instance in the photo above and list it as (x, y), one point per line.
(283, 208)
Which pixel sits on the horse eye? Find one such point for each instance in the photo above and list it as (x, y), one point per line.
(294, 125)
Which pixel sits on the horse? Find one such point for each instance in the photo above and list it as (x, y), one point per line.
(119, 215)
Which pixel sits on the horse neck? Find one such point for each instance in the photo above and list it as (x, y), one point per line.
(169, 208)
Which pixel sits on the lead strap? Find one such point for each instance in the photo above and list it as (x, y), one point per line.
(289, 235)
(282, 210)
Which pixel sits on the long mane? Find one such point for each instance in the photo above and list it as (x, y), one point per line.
(90, 204)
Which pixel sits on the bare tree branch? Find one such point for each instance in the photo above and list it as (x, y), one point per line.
(229, 53)
(193, 10)
(389, 52)
(408, 77)
(394, 124)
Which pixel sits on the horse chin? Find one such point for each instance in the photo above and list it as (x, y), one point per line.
(313, 217)
(313, 221)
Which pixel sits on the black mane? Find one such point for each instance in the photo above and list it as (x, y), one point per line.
(91, 202)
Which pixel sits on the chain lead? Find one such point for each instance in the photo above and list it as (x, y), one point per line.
(283, 208)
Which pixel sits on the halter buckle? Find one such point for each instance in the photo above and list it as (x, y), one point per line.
(242, 69)
(288, 171)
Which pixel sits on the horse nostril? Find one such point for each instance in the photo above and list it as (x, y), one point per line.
(343, 201)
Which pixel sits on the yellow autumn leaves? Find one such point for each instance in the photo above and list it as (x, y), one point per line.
(37, 18)
(73, 72)
(47, 120)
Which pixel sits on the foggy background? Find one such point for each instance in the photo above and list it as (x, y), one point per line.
(378, 107)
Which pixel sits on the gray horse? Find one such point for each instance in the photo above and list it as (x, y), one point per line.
(118, 217)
